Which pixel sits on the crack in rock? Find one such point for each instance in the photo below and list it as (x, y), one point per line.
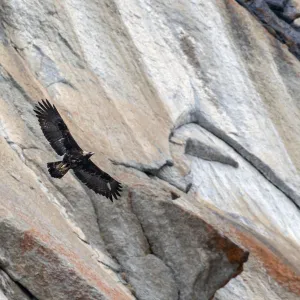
(196, 117)
(161, 173)
(190, 248)
(129, 246)
(13, 289)
(152, 171)
(201, 150)
(272, 15)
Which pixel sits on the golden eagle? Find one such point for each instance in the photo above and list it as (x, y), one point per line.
(61, 140)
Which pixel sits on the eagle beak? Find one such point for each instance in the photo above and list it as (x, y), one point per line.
(88, 154)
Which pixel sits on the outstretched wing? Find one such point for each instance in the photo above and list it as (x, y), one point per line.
(97, 180)
(54, 128)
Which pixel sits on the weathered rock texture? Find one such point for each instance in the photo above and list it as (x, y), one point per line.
(194, 107)
(281, 18)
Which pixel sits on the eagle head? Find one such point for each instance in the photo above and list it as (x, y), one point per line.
(88, 154)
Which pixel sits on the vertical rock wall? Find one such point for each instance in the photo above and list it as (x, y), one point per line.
(196, 103)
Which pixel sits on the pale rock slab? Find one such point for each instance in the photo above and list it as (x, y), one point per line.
(126, 75)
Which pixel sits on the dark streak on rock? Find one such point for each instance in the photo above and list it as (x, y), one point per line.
(26, 291)
(198, 149)
(63, 81)
(188, 187)
(277, 4)
(152, 172)
(196, 117)
(67, 44)
(275, 21)
(174, 196)
(21, 287)
(189, 50)
(7, 77)
(110, 267)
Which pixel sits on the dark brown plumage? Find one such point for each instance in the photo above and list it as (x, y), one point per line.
(61, 140)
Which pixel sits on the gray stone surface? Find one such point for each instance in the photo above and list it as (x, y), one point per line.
(39, 248)
(10, 290)
(292, 10)
(2, 296)
(277, 17)
(134, 80)
(156, 278)
(198, 257)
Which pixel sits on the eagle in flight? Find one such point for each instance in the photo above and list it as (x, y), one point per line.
(61, 140)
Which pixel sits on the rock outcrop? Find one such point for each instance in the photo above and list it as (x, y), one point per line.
(193, 106)
(281, 18)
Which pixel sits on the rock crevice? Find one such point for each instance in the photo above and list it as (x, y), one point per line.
(195, 117)
(278, 17)
(12, 289)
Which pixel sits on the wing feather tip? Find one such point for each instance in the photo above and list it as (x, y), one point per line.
(42, 105)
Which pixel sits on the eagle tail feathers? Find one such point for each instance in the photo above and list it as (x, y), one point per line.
(57, 169)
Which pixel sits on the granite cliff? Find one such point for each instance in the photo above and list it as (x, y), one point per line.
(194, 107)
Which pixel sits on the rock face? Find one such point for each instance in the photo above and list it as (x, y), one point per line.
(196, 105)
(281, 18)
